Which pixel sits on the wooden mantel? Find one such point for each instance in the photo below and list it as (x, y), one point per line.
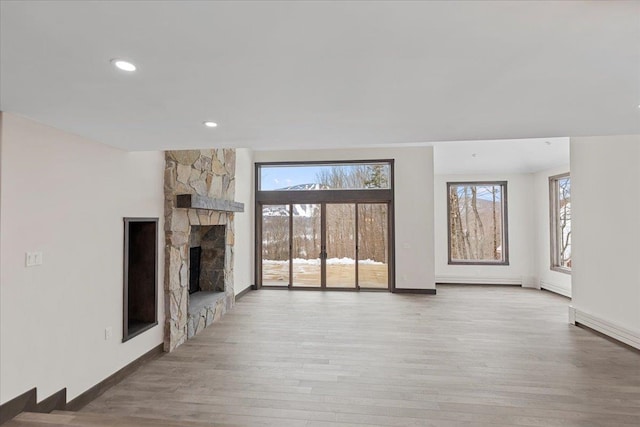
(195, 201)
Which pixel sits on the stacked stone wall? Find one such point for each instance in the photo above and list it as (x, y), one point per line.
(208, 173)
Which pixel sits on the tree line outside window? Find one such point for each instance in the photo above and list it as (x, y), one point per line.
(560, 192)
(477, 218)
(477, 223)
(371, 235)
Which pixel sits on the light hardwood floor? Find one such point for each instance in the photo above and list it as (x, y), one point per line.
(470, 355)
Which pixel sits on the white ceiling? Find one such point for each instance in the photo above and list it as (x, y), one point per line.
(500, 157)
(322, 74)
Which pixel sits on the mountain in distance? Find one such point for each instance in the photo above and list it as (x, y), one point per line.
(303, 187)
(303, 210)
(299, 210)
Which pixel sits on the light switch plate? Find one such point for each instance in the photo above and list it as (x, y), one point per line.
(29, 259)
(32, 258)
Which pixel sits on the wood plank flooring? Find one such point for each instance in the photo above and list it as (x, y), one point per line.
(469, 356)
(87, 419)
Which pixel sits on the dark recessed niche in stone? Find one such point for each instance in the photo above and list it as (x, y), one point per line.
(140, 276)
(207, 258)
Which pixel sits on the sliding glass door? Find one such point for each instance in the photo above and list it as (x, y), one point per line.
(275, 245)
(373, 245)
(306, 240)
(325, 245)
(325, 225)
(340, 232)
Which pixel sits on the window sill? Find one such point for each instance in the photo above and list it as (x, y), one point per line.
(506, 263)
(562, 270)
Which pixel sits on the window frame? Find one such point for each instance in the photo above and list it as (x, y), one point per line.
(357, 196)
(315, 163)
(504, 218)
(554, 219)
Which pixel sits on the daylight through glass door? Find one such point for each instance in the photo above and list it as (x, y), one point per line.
(340, 256)
(373, 245)
(325, 225)
(275, 245)
(306, 241)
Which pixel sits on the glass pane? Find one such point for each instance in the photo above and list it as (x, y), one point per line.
(341, 245)
(275, 245)
(306, 241)
(476, 218)
(354, 176)
(564, 222)
(373, 256)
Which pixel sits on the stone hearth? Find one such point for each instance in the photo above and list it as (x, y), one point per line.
(208, 174)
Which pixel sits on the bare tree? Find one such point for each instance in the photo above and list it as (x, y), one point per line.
(565, 221)
(472, 207)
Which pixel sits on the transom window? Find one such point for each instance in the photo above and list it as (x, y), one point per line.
(560, 191)
(324, 176)
(477, 223)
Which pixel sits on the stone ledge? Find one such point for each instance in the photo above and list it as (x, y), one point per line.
(204, 309)
(199, 300)
(195, 201)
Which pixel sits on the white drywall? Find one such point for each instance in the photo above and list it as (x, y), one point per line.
(413, 204)
(520, 232)
(243, 222)
(66, 196)
(546, 278)
(605, 180)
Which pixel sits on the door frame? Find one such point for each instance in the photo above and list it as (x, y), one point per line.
(322, 197)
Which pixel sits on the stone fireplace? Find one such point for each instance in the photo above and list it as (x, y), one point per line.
(199, 190)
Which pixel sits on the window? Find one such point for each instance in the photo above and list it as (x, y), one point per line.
(325, 224)
(327, 176)
(560, 191)
(478, 223)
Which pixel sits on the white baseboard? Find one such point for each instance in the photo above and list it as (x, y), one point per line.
(479, 280)
(605, 327)
(555, 288)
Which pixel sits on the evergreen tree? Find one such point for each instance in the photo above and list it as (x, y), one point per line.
(376, 177)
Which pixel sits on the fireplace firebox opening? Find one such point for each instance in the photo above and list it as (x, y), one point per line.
(194, 269)
(207, 258)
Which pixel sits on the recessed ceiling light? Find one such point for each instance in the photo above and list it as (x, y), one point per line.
(123, 65)
(210, 124)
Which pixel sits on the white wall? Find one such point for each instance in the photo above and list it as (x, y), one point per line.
(243, 222)
(545, 277)
(66, 196)
(605, 208)
(520, 227)
(413, 204)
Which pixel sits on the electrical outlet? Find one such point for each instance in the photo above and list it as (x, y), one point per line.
(108, 333)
